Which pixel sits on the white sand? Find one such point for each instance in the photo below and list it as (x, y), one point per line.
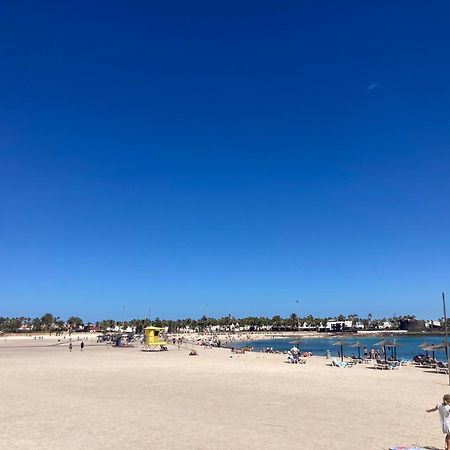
(122, 398)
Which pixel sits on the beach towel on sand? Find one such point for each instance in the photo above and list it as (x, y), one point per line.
(406, 448)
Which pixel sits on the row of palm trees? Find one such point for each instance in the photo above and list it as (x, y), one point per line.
(49, 323)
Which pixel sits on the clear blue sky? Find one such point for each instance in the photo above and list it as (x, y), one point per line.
(224, 158)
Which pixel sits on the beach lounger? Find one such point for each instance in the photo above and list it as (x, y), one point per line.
(425, 363)
(383, 365)
(341, 364)
(441, 367)
(387, 365)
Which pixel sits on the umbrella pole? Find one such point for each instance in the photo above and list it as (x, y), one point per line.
(342, 353)
(385, 356)
(359, 352)
(446, 337)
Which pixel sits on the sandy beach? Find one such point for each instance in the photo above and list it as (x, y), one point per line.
(124, 398)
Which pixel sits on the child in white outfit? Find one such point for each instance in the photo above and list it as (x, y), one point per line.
(444, 415)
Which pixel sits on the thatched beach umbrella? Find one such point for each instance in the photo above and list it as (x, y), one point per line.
(424, 346)
(297, 341)
(359, 345)
(432, 348)
(341, 343)
(385, 344)
(437, 347)
(393, 346)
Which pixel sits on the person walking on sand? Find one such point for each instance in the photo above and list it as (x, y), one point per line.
(444, 415)
(70, 347)
(82, 345)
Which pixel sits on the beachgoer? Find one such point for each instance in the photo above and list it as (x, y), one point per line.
(295, 354)
(444, 415)
(70, 347)
(82, 345)
(290, 357)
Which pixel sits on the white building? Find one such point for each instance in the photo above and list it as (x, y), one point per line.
(339, 325)
(386, 325)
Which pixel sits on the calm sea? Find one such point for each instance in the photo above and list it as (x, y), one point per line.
(408, 346)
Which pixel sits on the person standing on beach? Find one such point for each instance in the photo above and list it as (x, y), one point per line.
(444, 415)
(82, 345)
(70, 347)
(295, 354)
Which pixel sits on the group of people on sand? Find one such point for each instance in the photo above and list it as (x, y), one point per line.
(177, 341)
(213, 342)
(238, 351)
(373, 353)
(294, 355)
(81, 346)
(270, 350)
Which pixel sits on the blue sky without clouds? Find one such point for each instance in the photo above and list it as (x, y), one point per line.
(224, 158)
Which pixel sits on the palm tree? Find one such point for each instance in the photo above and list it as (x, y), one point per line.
(295, 325)
(74, 322)
(276, 322)
(47, 321)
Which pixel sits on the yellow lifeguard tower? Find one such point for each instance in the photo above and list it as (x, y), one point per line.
(152, 340)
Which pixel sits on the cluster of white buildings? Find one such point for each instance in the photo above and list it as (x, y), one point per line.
(329, 326)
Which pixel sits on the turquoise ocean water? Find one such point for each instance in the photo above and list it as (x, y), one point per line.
(408, 346)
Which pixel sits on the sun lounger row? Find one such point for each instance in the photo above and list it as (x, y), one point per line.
(387, 365)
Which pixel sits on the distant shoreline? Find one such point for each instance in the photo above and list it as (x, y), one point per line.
(240, 335)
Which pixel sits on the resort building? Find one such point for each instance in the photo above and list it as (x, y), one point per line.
(339, 325)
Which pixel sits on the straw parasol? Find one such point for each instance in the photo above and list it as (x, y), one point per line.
(436, 347)
(297, 341)
(393, 346)
(424, 346)
(384, 343)
(358, 345)
(430, 347)
(341, 343)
